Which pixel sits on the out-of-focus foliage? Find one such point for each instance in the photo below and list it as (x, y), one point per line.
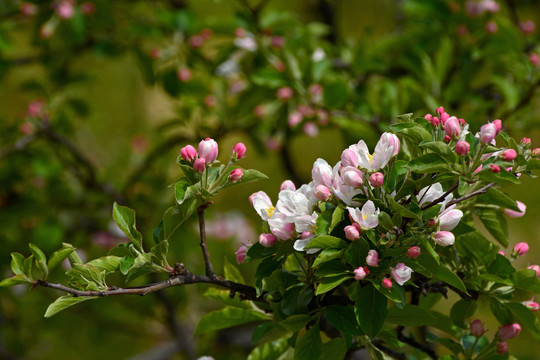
(268, 73)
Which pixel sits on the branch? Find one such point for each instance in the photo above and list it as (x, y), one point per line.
(415, 344)
(204, 247)
(473, 194)
(441, 198)
(182, 277)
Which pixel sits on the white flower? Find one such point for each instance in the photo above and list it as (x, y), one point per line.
(318, 55)
(449, 218)
(322, 173)
(431, 193)
(401, 273)
(247, 42)
(292, 204)
(262, 205)
(367, 218)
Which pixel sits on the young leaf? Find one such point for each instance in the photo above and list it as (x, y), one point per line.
(160, 251)
(108, 264)
(325, 242)
(17, 263)
(461, 311)
(295, 322)
(446, 275)
(269, 351)
(343, 319)
(429, 163)
(125, 218)
(527, 318)
(328, 283)
(334, 349)
(41, 261)
(370, 310)
(495, 223)
(16, 280)
(496, 197)
(64, 302)
(58, 256)
(228, 317)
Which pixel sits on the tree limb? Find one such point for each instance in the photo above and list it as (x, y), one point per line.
(206, 255)
(441, 198)
(473, 194)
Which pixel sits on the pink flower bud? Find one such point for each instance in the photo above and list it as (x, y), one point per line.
(239, 151)
(359, 273)
(447, 138)
(491, 27)
(196, 41)
(28, 9)
(310, 129)
(188, 153)
(287, 185)
(498, 125)
(210, 101)
(478, 169)
(526, 141)
(452, 126)
(535, 268)
(372, 258)
(439, 110)
(65, 9)
(509, 154)
(376, 179)
(536, 152)
(351, 176)
(432, 222)
(351, 233)
(315, 89)
(500, 252)
(477, 328)
(413, 252)
(534, 59)
(88, 8)
(26, 128)
(509, 331)
(284, 93)
(527, 27)
(521, 248)
(323, 117)
(239, 32)
(236, 175)
(444, 238)
(444, 118)
(349, 158)
(515, 214)
(495, 168)
(322, 192)
(502, 347)
(277, 42)
(267, 240)
(208, 149)
(428, 117)
(435, 121)
(401, 273)
(294, 119)
(387, 283)
(461, 121)
(259, 111)
(184, 75)
(532, 305)
(241, 254)
(199, 165)
(279, 66)
(487, 133)
(462, 148)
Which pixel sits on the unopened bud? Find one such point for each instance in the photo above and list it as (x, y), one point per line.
(287, 185)
(439, 110)
(376, 179)
(188, 153)
(241, 254)
(413, 252)
(521, 248)
(498, 125)
(372, 259)
(236, 175)
(462, 148)
(359, 273)
(526, 141)
(239, 151)
(509, 331)
(199, 165)
(502, 347)
(477, 328)
(495, 168)
(284, 93)
(267, 240)
(351, 232)
(322, 192)
(532, 305)
(444, 238)
(509, 154)
(387, 283)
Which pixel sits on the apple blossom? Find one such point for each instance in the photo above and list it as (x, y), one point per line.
(262, 205)
(509, 331)
(401, 273)
(462, 148)
(521, 248)
(322, 192)
(239, 151)
(351, 232)
(367, 218)
(449, 218)
(208, 149)
(322, 173)
(349, 157)
(281, 228)
(487, 133)
(287, 185)
(360, 273)
(267, 240)
(188, 153)
(351, 176)
(372, 258)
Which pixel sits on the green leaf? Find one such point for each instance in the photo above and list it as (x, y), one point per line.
(371, 310)
(430, 163)
(412, 131)
(224, 296)
(183, 190)
(325, 242)
(160, 251)
(228, 317)
(533, 164)
(232, 273)
(295, 322)
(462, 310)
(327, 255)
(296, 300)
(126, 264)
(17, 263)
(337, 217)
(16, 280)
(269, 351)
(41, 261)
(58, 256)
(343, 318)
(64, 302)
(324, 220)
(443, 150)
(496, 197)
(500, 311)
(401, 210)
(495, 223)
(503, 177)
(527, 318)
(108, 264)
(328, 283)
(410, 315)
(309, 346)
(526, 279)
(449, 277)
(250, 175)
(125, 218)
(28, 265)
(385, 221)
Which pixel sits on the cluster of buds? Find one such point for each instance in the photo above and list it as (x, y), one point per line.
(198, 40)
(451, 125)
(310, 117)
(207, 155)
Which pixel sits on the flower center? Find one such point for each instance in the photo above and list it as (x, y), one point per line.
(270, 211)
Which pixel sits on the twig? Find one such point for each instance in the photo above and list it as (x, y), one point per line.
(204, 247)
(183, 277)
(473, 194)
(441, 198)
(415, 344)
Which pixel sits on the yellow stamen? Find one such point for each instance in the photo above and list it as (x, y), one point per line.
(370, 158)
(270, 211)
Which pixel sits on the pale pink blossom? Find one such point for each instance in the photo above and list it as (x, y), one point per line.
(287, 185)
(360, 273)
(281, 228)
(367, 218)
(262, 205)
(351, 176)
(208, 149)
(372, 258)
(322, 173)
(351, 232)
(444, 238)
(322, 192)
(535, 268)
(487, 133)
(401, 273)
(349, 157)
(267, 240)
(452, 126)
(449, 218)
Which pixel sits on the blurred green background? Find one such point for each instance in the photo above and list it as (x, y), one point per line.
(105, 77)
